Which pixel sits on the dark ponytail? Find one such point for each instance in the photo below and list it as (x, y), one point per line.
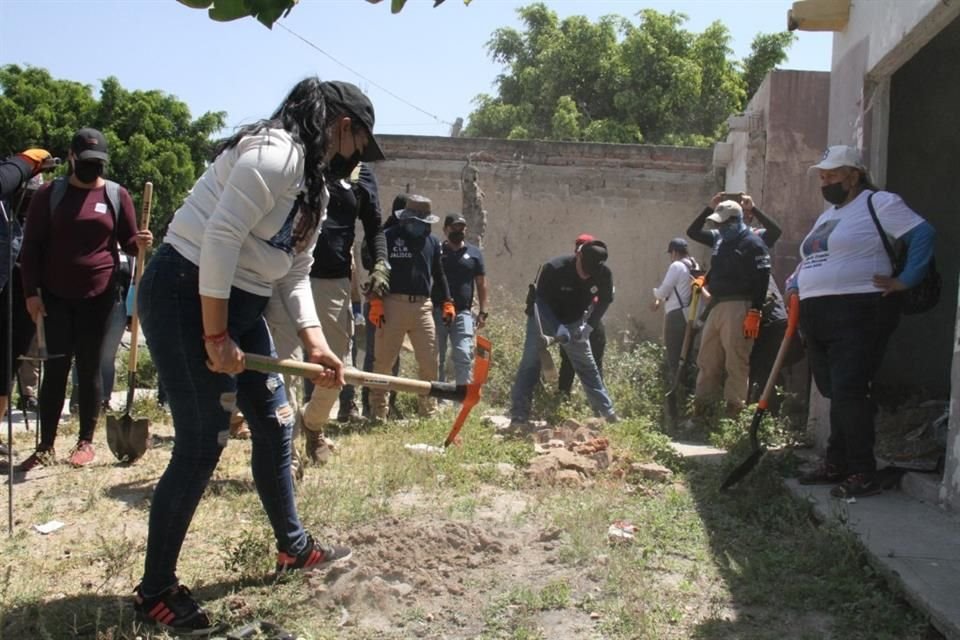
(305, 115)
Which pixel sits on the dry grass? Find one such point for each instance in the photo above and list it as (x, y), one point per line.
(452, 547)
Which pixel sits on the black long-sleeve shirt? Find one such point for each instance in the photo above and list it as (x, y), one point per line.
(14, 172)
(348, 201)
(568, 296)
(739, 268)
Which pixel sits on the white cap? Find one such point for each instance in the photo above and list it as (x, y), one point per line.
(839, 156)
(726, 210)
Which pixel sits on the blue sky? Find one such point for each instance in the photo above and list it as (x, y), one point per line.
(434, 59)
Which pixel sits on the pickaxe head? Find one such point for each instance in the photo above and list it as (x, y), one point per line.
(481, 371)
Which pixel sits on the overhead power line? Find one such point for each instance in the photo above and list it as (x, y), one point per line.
(360, 75)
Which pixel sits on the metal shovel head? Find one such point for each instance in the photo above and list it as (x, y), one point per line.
(127, 437)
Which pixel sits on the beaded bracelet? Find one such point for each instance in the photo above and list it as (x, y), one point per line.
(217, 337)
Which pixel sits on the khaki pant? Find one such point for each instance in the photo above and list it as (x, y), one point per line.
(405, 317)
(724, 350)
(332, 297)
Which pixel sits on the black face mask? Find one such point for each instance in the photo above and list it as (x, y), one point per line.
(341, 166)
(835, 193)
(456, 237)
(88, 172)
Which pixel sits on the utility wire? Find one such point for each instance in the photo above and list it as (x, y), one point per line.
(357, 73)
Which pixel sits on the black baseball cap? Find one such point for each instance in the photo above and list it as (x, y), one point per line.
(454, 218)
(358, 106)
(89, 144)
(593, 257)
(677, 244)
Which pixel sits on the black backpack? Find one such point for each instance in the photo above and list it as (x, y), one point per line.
(59, 189)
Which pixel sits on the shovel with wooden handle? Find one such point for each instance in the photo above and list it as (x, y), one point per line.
(468, 394)
(129, 437)
(738, 474)
(547, 366)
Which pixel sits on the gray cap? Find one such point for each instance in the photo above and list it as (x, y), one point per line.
(418, 207)
(726, 210)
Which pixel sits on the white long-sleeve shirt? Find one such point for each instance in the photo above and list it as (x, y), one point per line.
(237, 223)
(677, 280)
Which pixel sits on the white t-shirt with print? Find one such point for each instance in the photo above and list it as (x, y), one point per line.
(844, 250)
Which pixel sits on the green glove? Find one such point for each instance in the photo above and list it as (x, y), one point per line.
(379, 283)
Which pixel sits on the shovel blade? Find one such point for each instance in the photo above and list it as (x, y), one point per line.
(127, 437)
(745, 467)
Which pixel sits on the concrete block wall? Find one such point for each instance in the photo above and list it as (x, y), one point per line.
(539, 196)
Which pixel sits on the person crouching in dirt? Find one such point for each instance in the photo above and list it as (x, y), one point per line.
(737, 281)
(571, 295)
(248, 225)
(849, 307)
(415, 262)
(598, 340)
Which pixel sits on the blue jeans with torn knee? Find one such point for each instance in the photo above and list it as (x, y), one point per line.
(201, 403)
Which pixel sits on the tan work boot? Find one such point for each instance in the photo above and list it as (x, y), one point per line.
(318, 447)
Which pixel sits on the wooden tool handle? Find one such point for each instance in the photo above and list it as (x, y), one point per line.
(141, 256)
(355, 377)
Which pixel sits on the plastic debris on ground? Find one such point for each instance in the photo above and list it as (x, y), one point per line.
(426, 449)
(48, 527)
(621, 531)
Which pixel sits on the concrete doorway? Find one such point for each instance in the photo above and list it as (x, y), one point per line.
(922, 156)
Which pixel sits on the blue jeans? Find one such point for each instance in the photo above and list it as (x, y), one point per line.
(528, 373)
(846, 336)
(460, 335)
(201, 403)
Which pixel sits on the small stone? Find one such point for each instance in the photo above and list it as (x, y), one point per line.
(570, 460)
(569, 477)
(652, 471)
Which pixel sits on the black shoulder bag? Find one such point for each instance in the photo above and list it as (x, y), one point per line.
(925, 295)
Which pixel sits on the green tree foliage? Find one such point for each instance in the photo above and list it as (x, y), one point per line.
(267, 11)
(614, 80)
(151, 134)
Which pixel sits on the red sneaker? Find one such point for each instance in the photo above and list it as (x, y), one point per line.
(83, 454)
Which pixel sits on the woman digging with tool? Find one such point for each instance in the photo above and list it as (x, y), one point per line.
(249, 225)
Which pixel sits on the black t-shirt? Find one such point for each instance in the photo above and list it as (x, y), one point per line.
(569, 296)
(461, 267)
(414, 262)
(348, 201)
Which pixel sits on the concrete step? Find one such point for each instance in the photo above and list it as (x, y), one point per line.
(924, 487)
(914, 543)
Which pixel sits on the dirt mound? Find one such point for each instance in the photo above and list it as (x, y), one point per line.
(429, 567)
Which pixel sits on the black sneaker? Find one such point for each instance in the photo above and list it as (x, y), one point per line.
(176, 611)
(858, 485)
(313, 556)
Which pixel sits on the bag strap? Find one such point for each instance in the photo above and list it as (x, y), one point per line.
(690, 266)
(112, 189)
(112, 192)
(883, 234)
